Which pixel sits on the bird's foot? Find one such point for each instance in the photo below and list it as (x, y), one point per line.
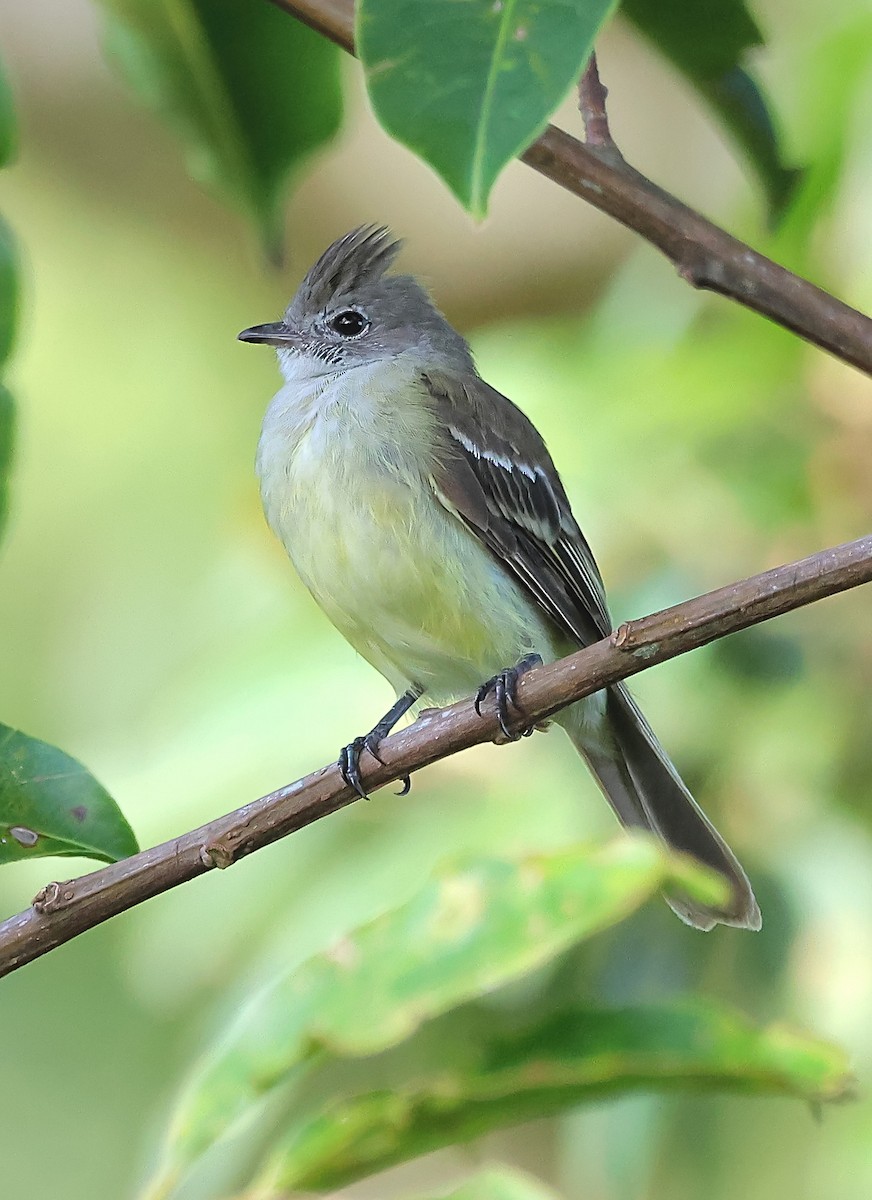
(349, 756)
(349, 764)
(505, 689)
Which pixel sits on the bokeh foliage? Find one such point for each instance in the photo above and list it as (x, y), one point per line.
(709, 41)
(49, 804)
(251, 99)
(8, 297)
(393, 1043)
(152, 628)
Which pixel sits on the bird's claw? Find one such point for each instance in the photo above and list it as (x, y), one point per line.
(504, 686)
(349, 766)
(349, 763)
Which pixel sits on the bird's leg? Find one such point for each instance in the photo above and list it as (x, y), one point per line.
(349, 756)
(505, 689)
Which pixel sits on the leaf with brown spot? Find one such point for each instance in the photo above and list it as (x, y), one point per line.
(51, 805)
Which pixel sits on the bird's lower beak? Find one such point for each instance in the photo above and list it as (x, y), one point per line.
(276, 334)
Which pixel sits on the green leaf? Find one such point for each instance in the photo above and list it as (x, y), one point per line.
(707, 40)
(8, 130)
(50, 805)
(468, 931)
(251, 91)
(468, 86)
(482, 1073)
(7, 429)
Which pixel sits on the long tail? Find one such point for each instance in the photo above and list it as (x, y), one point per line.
(646, 791)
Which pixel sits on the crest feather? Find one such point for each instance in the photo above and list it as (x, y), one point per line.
(359, 258)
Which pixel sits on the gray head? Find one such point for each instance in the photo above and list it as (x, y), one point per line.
(348, 313)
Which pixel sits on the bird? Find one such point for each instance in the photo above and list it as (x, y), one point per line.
(423, 511)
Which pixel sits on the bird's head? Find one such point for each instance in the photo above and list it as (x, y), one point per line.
(348, 312)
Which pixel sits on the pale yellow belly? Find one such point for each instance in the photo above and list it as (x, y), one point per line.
(408, 585)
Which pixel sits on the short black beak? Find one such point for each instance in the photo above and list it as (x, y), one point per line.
(276, 334)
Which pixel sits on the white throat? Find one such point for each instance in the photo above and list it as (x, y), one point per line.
(305, 368)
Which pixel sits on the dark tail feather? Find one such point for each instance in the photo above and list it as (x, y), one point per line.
(647, 792)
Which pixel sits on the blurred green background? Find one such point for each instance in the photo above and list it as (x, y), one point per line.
(151, 627)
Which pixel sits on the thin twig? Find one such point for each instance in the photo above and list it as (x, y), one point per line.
(63, 910)
(703, 254)
(592, 106)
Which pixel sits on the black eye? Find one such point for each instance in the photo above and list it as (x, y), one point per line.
(349, 323)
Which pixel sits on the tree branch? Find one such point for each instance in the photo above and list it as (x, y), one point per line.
(61, 911)
(703, 254)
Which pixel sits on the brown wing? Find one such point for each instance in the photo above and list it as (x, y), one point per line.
(497, 476)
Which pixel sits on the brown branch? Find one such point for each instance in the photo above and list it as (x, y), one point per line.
(61, 911)
(702, 253)
(706, 256)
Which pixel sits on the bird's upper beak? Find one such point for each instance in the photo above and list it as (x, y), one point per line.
(275, 334)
